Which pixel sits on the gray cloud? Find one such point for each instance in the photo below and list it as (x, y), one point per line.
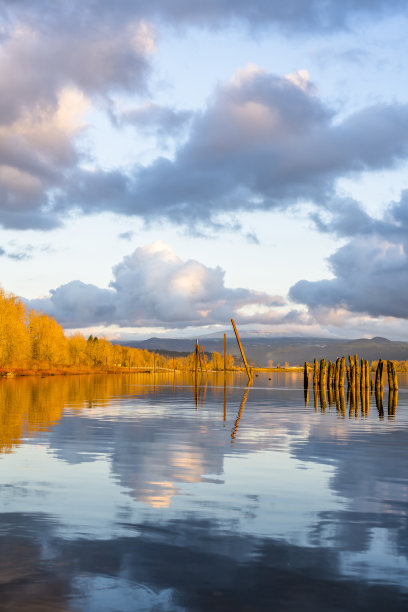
(263, 142)
(154, 287)
(126, 235)
(53, 61)
(293, 15)
(371, 270)
(155, 119)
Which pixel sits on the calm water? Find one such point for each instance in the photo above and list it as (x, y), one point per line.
(120, 494)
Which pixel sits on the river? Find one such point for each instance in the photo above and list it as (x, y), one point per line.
(148, 492)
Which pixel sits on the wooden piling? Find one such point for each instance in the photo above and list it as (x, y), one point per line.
(305, 376)
(379, 375)
(342, 368)
(225, 354)
(357, 369)
(322, 374)
(362, 376)
(337, 373)
(316, 372)
(392, 376)
(249, 373)
(329, 375)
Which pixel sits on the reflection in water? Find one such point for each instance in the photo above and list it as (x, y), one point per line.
(306, 395)
(240, 411)
(379, 402)
(117, 495)
(392, 402)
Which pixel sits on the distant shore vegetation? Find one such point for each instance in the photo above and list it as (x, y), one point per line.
(32, 341)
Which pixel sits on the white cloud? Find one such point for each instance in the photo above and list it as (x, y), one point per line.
(154, 287)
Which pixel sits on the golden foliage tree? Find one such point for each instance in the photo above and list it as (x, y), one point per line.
(14, 342)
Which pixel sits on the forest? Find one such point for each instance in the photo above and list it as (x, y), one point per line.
(34, 341)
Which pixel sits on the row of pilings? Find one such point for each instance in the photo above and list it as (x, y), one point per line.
(332, 375)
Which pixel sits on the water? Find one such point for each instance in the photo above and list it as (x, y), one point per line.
(149, 493)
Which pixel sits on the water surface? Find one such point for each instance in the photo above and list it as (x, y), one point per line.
(151, 492)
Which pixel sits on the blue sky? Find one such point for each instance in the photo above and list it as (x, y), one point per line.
(167, 165)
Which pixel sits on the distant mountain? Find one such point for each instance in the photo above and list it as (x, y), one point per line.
(262, 349)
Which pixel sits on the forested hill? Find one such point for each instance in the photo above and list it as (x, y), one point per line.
(266, 349)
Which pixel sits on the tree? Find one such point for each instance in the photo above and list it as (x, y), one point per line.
(47, 339)
(14, 340)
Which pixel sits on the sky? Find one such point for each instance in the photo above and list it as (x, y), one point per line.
(168, 165)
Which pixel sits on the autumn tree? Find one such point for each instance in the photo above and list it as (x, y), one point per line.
(14, 340)
(47, 340)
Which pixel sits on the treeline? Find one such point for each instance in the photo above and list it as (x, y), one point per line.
(400, 366)
(33, 340)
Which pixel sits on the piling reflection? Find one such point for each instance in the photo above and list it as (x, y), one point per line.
(306, 395)
(379, 402)
(240, 412)
(392, 402)
(323, 399)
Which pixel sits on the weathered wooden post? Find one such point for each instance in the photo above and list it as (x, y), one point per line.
(249, 373)
(322, 374)
(305, 376)
(357, 370)
(329, 375)
(352, 372)
(392, 376)
(379, 376)
(330, 385)
(389, 374)
(342, 367)
(362, 376)
(394, 371)
(315, 373)
(225, 354)
(337, 373)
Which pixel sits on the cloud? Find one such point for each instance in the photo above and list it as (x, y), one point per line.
(22, 252)
(370, 271)
(293, 15)
(126, 235)
(154, 287)
(263, 142)
(52, 67)
(155, 119)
